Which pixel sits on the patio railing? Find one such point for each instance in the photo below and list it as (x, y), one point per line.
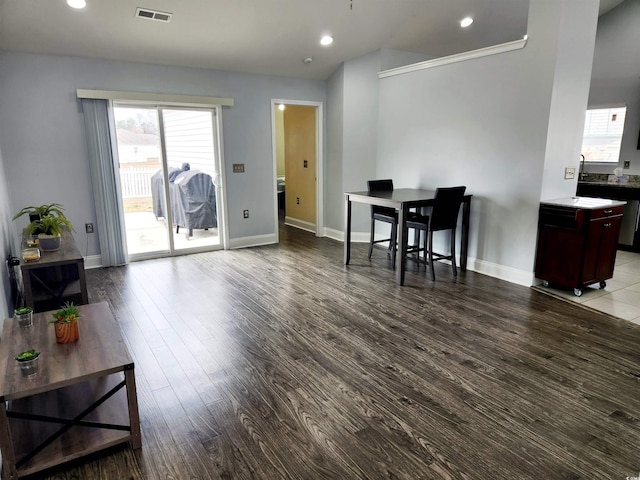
(135, 182)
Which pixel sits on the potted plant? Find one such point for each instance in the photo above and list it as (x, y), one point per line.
(24, 315)
(28, 362)
(47, 222)
(66, 323)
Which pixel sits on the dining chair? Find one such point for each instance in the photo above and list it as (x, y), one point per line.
(383, 214)
(443, 216)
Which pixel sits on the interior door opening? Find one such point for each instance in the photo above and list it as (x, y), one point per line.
(295, 156)
(169, 179)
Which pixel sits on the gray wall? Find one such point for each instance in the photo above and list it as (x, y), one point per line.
(360, 141)
(334, 164)
(484, 123)
(42, 132)
(616, 77)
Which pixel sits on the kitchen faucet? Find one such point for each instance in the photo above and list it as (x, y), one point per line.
(581, 173)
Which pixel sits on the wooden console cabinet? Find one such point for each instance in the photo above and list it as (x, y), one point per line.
(577, 241)
(56, 278)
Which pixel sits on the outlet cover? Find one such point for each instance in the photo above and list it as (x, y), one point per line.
(245, 213)
(626, 164)
(569, 173)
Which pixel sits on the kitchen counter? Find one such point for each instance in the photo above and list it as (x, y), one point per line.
(584, 203)
(629, 192)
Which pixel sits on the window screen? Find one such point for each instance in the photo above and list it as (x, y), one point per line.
(603, 128)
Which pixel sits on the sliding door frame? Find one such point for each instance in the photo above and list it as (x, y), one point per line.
(220, 183)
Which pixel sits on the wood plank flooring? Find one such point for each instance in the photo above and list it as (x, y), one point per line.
(279, 362)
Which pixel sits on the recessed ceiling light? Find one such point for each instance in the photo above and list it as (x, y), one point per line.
(326, 40)
(77, 3)
(465, 22)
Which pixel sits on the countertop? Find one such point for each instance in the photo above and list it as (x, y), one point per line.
(587, 203)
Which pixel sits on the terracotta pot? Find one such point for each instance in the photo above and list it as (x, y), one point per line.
(67, 332)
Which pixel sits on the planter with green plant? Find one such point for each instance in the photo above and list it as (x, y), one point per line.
(47, 222)
(66, 323)
(24, 315)
(28, 362)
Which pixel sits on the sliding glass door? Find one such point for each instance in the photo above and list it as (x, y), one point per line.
(169, 178)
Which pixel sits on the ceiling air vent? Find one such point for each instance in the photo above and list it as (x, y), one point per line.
(153, 15)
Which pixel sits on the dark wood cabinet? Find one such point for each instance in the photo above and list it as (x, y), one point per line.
(56, 278)
(577, 241)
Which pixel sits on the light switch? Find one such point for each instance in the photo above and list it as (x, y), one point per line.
(238, 168)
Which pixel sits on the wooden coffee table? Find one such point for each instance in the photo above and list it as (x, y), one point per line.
(82, 400)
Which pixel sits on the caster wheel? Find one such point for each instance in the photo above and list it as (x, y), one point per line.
(545, 283)
(577, 292)
(603, 284)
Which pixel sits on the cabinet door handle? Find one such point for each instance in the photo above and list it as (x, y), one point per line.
(608, 211)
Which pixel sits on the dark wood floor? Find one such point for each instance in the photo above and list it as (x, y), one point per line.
(280, 363)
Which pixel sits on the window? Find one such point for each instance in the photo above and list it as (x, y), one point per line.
(602, 137)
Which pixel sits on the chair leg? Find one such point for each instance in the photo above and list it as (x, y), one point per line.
(373, 232)
(430, 246)
(453, 252)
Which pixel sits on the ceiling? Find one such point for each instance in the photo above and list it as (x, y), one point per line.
(269, 37)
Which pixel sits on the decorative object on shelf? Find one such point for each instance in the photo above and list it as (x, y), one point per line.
(66, 323)
(24, 315)
(30, 254)
(28, 362)
(47, 222)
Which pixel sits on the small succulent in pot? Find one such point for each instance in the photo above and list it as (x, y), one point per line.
(66, 323)
(24, 315)
(28, 362)
(67, 314)
(27, 355)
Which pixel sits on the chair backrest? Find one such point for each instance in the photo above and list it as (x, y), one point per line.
(446, 205)
(380, 185)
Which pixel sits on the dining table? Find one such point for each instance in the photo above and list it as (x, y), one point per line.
(403, 200)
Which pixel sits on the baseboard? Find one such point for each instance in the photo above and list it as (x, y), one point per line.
(301, 224)
(92, 261)
(509, 274)
(253, 241)
(356, 237)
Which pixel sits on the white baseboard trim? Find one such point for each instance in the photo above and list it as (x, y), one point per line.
(356, 237)
(253, 241)
(301, 224)
(92, 261)
(509, 274)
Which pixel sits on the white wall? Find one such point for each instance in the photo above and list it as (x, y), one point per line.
(615, 78)
(483, 123)
(574, 57)
(42, 131)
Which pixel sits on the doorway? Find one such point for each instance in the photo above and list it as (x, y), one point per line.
(169, 166)
(297, 152)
